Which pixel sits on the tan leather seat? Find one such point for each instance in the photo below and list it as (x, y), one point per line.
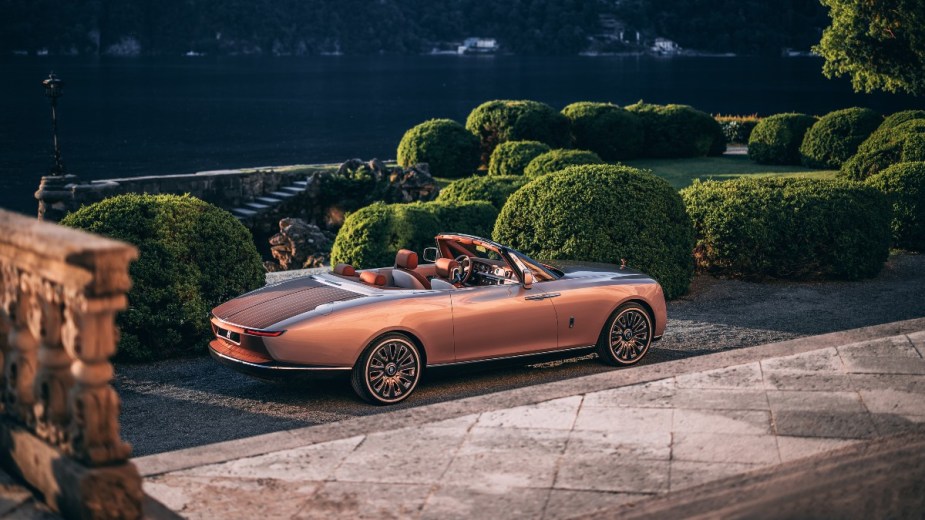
(344, 269)
(372, 278)
(445, 268)
(404, 274)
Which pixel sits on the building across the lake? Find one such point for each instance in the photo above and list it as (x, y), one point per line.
(478, 46)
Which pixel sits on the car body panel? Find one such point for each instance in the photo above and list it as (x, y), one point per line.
(325, 321)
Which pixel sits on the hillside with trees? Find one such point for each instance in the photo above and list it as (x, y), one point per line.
(297, 27)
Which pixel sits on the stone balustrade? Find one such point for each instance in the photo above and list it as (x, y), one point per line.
(60, 290)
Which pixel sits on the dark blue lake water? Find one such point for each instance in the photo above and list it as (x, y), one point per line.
(138, 116)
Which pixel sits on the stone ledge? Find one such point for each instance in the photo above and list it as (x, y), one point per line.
(220, 452)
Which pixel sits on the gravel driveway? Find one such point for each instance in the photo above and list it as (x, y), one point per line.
(181, 403)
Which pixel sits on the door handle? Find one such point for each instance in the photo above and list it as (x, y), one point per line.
(542, 296)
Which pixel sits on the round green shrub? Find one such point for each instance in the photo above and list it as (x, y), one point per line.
(493, 188)
(884, 148)
(835, 137)
(498, 121)
(904, 186)
(777, 139)
(789, 228)
(602, 213)
(445, 145)
(555, 160)
(897, 118)
(678, 131)
(194, 256)
(371, 236)
(512, 157)
(609, 131)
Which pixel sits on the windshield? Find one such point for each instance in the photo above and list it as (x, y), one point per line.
(540, 271)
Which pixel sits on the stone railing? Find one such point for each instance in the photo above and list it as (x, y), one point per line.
(60, 290)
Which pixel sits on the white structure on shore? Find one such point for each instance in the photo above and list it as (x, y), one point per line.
(478, 46)
(665, 46)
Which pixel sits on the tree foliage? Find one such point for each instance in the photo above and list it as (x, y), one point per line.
(879, 44)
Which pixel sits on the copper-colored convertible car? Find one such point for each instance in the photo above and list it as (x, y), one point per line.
(474, 300)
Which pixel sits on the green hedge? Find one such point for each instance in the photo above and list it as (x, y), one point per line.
(555, 160)
(737, 129)
(835, 137)
(371, 236)
(886, 147)
(609, 131)
(512, 157)
(678, 131)
(777, 139)
(493, 188)
(789, 228)
(904, 186)
(445, 145)
(194, 256)
(584, 213)
(498, 121)
(897, 118)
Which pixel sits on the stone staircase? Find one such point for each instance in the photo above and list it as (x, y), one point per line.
(270, 201)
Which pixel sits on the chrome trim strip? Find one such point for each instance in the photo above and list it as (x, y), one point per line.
(553, 295)
(535, 297)
(273, 367)
(530, 354)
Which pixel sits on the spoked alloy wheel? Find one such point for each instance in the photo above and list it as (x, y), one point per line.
(626, 336)
(388, 371)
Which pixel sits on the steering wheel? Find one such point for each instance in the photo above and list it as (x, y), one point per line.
(466, 268)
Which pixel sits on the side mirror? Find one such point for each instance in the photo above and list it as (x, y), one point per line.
(528, 279)
(430, 254)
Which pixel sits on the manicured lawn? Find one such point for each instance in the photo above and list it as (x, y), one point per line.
(682, 172)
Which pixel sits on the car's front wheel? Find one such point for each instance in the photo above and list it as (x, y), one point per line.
(626, 336)
(388, 370)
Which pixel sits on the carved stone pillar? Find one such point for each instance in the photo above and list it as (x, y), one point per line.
(22, 363)
(53, 380)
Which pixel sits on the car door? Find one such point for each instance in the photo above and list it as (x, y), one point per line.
(502, 320)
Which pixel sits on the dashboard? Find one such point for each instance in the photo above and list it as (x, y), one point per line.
(487, 273)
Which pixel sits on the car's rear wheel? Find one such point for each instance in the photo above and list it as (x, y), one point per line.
(626, 336)
(388, 370)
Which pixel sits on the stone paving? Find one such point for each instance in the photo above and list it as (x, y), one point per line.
(580, 454)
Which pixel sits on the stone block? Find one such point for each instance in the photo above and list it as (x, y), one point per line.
(722, 447)
(895, 346)
(422, 454)
(820, 423)
(884, 365)
(656, 394)
(612, 473)
(207, 498)
(754, 422)
(558, 414)
(624, 419)
(727, 399)
(685, 474)
(628, 444)
(822, 401)
(739, 376)
(567, 503)
(464, 503)
(793, 448)
(825, 360)
(363, 500)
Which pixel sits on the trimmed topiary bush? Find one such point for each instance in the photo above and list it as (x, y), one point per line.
(555, 160)
(512, 157)
(583, 213)
(737, 129)
(897, 118)
(609, 131)
(884, 148)
(904, 186)
(789, 228)
(194, 256)
(777, 139)
(498, 121)
(678, 131)
(445, 145)
(835, 137)
(493, 188)
(371, 236)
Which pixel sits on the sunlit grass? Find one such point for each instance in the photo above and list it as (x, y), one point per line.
(682, 172)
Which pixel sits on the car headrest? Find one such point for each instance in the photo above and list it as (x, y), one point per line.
(406, 259)
(372, 278)
(445, 267)
(344, 269)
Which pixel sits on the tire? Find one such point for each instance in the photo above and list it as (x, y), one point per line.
(392, 352)
(626, 336)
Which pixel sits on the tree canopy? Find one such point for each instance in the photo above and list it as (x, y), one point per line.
(880, 44)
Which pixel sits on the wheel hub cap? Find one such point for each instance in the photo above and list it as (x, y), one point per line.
(627, 335)
(391, 369)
